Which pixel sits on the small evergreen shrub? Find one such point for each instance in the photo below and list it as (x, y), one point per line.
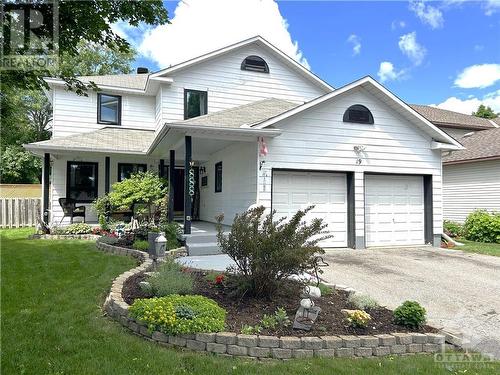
(171, 230)
(362, 301)
(358, 319)
(141, 245)
(170, 279)
(410, 314)
(453, 229)
(175, 314)
(482, 226)
(78, 228)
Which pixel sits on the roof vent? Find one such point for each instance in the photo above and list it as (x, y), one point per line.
(142, 70)
(468, 134)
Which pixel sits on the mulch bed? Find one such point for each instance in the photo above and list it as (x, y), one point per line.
(249, 311)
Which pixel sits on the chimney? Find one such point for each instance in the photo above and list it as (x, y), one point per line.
(142, 70)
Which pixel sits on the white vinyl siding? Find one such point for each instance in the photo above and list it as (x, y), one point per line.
(58, 180)
(77, 114)
(471, 186)
(394, 210)
(318, 140)
(293, 191)
(228, 86)
(239, 184)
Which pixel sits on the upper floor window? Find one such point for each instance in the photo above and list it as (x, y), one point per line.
(255, 64)
(109, 109)
(358, 113)
(81, 183)
(195, 103)
(125, 170)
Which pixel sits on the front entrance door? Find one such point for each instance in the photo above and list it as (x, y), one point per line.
(179, 191)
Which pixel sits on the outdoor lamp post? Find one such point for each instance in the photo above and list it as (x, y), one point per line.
(158, 250)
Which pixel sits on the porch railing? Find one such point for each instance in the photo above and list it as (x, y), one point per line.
(19, 212)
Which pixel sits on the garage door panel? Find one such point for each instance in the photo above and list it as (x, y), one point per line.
(394, 210)
(326, 191)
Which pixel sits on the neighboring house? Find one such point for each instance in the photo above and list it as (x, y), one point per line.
(255, 127)
(472, 176)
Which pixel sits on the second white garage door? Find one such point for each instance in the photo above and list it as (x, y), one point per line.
(327, 191)
(394, 210)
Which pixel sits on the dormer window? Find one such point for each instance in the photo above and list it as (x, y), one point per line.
(109, 109)
(358, 113)
(255, 64)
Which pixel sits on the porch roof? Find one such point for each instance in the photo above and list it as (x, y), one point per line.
(108, 139)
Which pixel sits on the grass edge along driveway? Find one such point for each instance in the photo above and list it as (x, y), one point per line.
(52, 292)
(492, 249)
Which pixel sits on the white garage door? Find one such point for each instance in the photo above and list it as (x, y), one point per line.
(327, 191)
(394, 210)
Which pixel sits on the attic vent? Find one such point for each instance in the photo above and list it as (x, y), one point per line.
(358, 113)
(142, 70)
(255, 64)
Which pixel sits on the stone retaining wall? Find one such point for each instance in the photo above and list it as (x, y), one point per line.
(259, 346)
(92, 237)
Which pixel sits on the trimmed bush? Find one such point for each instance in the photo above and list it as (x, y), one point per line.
(362, 301)
(453, 229)
(410, 314)
(141, 245)
(177, 314)
(170, 279)
(78, 228)
(482, 226)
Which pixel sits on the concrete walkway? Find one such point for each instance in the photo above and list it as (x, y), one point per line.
(461, 291)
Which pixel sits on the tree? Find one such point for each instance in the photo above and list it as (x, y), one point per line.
(485, 112)
(19, 166)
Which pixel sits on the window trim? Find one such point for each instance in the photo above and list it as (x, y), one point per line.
(122, 164)
(185, 102)
(216, 188)
(99, 120)
(345, 118)
(68, 179)
(244, 65)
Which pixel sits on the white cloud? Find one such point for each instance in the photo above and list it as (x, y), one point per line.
(428, 14)
(356, 44)
(409, 46)
(470, 105)
(386, 72)
(478, 76)
(398, 24)
(478, 47)
(200, 26)
(491, 6)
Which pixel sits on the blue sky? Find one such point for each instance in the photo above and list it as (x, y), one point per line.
(443, 53)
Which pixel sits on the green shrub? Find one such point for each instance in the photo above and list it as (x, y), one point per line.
(410, 314)
(278, 319)
(362, 301)
(482, 226)
(141, 245)
(453, 229)
(102, 207)
(266, 251)
(325, 289)
(251, 330)
(358, 318)
(171, 230)
(177, 314)
(170, 279)
(78, 228)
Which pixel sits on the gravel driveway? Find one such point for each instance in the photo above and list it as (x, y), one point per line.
(461, 291)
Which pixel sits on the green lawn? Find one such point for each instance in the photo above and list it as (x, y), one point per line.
(479, 247)
(52, 323)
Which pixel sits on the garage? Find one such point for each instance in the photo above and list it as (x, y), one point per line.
(294, 190)
(394, 210)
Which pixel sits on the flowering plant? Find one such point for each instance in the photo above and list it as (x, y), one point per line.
(358, 318)
(219, 279)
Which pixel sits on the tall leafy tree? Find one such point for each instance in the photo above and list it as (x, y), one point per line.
(485, 112)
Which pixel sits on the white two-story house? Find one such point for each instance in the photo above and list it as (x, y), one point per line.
(252, 126)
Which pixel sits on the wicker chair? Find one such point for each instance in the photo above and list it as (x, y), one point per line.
(71, 210)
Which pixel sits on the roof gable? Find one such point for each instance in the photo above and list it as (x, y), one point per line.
(374, 88)
(446, 118)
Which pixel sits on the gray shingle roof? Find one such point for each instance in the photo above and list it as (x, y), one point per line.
(129, 81)
(440, 116)
(105, 139)
(248, 114)
(483, 144)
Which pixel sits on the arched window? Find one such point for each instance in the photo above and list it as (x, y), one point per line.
(255, 64)
(358, 113)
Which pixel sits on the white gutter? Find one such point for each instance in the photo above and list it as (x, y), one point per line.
(445, 146)
(58, 82)
(494, 123)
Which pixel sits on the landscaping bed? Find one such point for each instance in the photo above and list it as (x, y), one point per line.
(247, 311)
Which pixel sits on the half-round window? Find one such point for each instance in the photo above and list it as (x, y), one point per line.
(358, 113)
(255, 64)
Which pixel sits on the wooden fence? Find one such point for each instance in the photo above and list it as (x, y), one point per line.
(19, 212)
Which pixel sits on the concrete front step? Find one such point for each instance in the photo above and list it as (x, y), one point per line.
(202, 248)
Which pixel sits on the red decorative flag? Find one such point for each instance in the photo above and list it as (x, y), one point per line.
(262, 147)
